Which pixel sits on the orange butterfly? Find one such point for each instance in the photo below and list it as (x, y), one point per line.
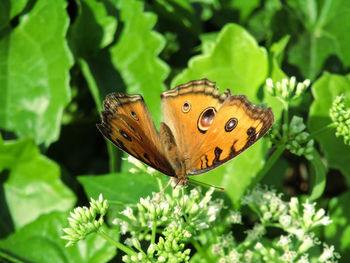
(202, 128)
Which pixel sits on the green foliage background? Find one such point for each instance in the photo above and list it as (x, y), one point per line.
(59, 59)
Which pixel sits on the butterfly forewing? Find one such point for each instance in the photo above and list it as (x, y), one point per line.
(237, 126)
(127, 123)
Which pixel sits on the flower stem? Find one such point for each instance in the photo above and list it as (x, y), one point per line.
(270, 162)
(120, 246)
(154, 231)
(201, 251)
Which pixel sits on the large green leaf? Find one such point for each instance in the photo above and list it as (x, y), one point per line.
(40, 241)
(92, 30)
(33, 186)
(325, 91)
(34, 72)
(120, 187)
(238, 63)
(326, 32)
(135, 54)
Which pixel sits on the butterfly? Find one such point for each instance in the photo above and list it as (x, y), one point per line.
(201, 128)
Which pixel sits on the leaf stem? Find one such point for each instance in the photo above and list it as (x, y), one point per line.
(119, 245)
(323, 129)
(201, 251)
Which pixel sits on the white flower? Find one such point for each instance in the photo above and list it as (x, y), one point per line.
(128, 241)
(235, 217)
(123, 227)
(284, 241)
(194, 193)
(328, 253)
(217, 249)
(212, 212)
(285, 220)
(227, 240)
(234, 256)
(267, 215)
(128, 212)
(258, 246)
(289, 256)
(308, 242)
(309, 209)
(248, 256)
(294, 206)
(304, 259)
(203, 225)
(325, 221)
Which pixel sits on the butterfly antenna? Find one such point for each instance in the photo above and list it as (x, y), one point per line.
(167, 185)
(195, 182)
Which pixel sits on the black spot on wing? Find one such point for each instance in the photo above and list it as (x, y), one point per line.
(125, 135)
(217, 153)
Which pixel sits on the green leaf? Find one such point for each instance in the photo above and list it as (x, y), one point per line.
(92, 30)
(245, 8)
(324, 91)
(9, 9)
(325, 33)
(120, 187)
(135, 55)
(319, 173)
(268, 21)
(238, 63)
(276, 55)
(33, 186)
(338, 233)
(40, 241)
(34, 73)
(208, 41)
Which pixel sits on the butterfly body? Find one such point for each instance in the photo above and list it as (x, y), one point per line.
(201, 128)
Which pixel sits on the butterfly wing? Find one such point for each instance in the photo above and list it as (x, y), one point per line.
(127, 123)
(211, 128)
(188, 111)
(237, 125)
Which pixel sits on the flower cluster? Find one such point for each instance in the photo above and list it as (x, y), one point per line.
(83, 220)
(287, 90)
(292, 135)
(295, 219)
(175, 218)
(296, 139)
(341, 118)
